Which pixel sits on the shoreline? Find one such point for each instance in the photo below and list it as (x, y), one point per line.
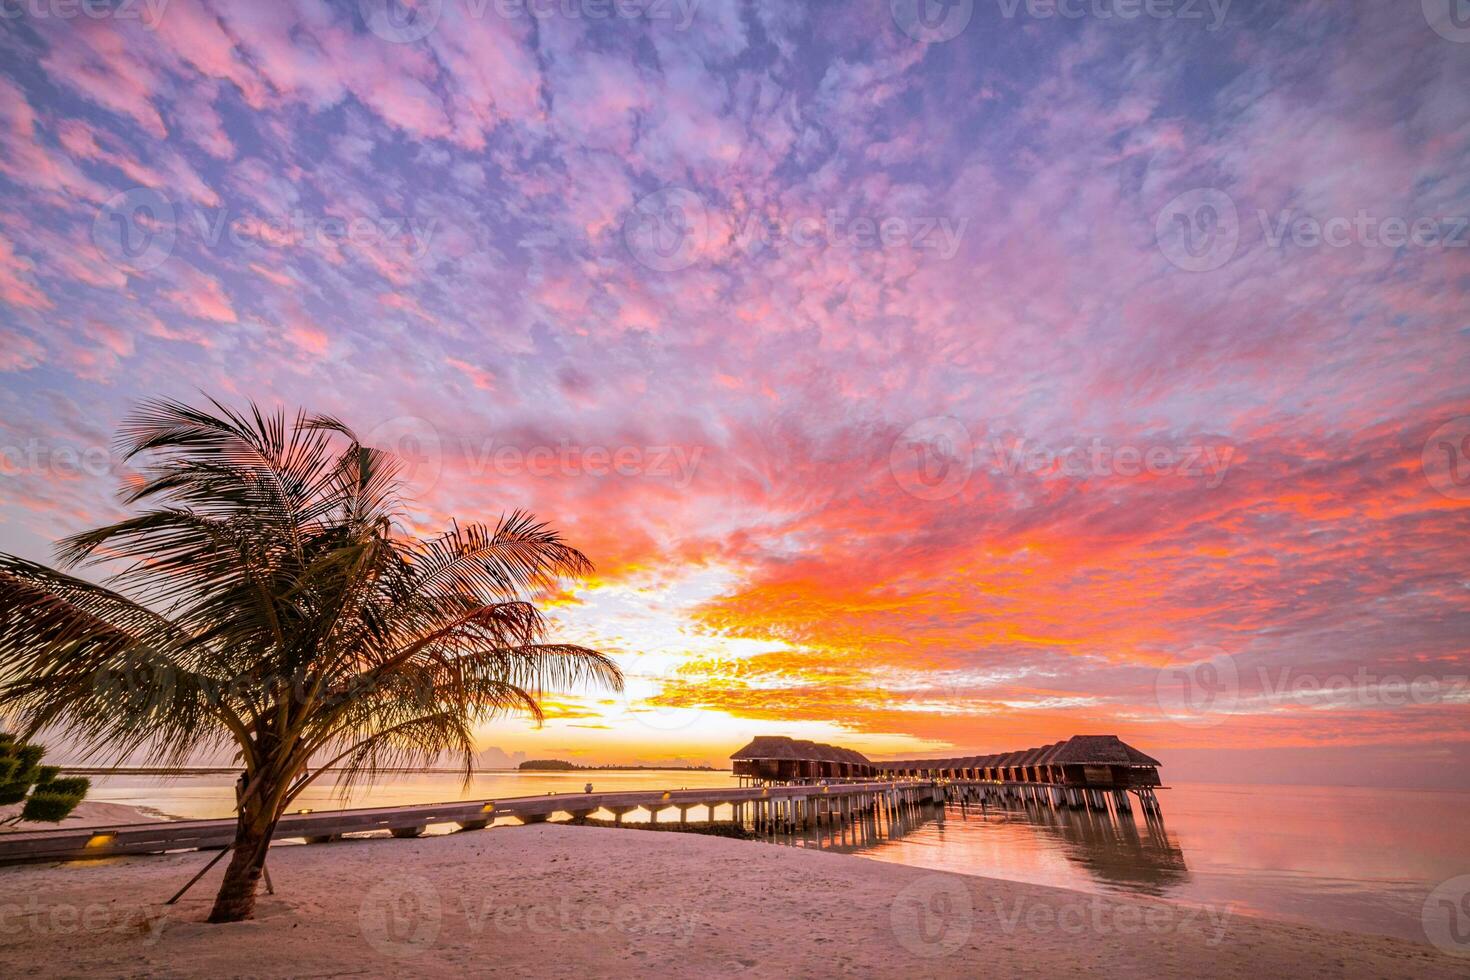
(579, 898)
(89, 813)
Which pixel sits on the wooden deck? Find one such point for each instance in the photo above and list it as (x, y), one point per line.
(758, 806)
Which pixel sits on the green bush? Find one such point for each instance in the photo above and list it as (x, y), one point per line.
(47, 795)
(44, 805)
(68, 786)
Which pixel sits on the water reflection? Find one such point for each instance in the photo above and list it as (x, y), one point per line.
(1117, 852)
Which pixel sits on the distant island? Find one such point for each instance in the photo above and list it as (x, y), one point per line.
(561, 765)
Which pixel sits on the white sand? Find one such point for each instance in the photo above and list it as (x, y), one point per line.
(89, 813)
(582, 901)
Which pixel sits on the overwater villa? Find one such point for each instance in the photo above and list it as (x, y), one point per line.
(1082, 771)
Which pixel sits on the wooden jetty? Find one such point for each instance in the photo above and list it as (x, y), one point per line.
(786, 786)
(1094, 772)
(767, 809)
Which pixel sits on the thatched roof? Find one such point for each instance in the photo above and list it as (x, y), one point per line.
(768, 747)
(1030, 756)
(797, 750)
(1101, 750)
(1077, 750)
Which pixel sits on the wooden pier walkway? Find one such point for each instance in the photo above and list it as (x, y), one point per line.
(763, 807)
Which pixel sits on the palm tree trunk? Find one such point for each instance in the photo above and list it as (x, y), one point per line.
(236, 899)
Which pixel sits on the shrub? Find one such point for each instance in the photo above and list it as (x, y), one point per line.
(47, 795)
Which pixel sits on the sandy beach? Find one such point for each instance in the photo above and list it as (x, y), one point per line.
(88, 813)
(590, 901)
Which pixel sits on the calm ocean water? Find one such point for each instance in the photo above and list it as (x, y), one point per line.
(1361, 860)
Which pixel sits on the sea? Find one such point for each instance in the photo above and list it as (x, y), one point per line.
(1349, 858)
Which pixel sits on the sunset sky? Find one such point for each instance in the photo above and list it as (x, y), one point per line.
(926, 386)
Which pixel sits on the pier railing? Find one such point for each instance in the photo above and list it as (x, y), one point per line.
(765, 808)
(757, 806)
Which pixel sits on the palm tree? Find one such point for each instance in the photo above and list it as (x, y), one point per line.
(267, 602)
